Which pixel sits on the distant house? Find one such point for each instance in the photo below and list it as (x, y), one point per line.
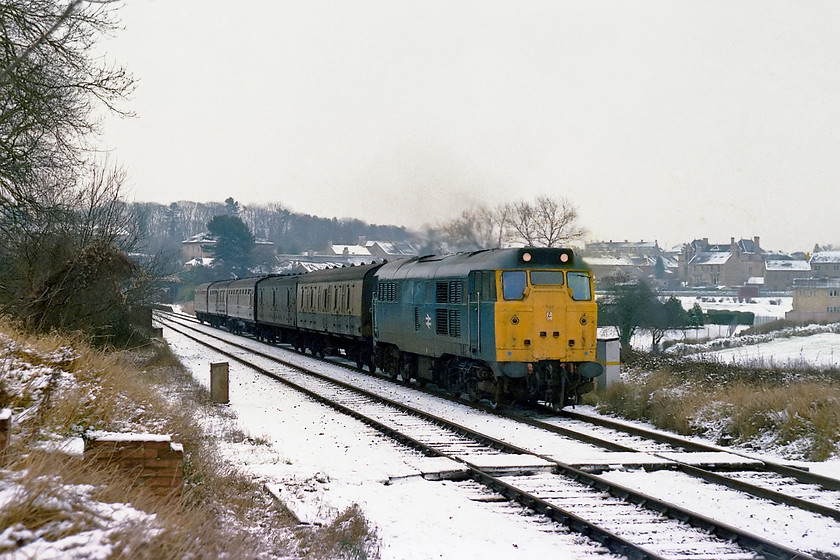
(605, 266)
(391, 250)
(347, 251)
(704, 264)
(825, 264)
(815, 299)
(779, 274)
(378, 250)
(199, 248)
(644, 259)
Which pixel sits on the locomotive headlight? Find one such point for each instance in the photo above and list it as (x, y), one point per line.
(564, 257)
(526, 257)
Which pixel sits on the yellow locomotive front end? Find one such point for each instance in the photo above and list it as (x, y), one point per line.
(546, 332)
(545, 315)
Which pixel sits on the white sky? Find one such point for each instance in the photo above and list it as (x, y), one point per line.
(656, 119)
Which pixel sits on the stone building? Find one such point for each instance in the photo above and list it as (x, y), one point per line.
(825, 264)
(779, 274)
(733, 264)
(815, 299)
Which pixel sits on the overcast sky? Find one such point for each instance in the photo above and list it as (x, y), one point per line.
(661, 120)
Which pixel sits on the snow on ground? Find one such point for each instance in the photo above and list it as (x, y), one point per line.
(321, 462)
(817, 350)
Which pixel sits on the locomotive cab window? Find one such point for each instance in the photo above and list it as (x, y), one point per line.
(514, 283)
(580, 285)
(547, 277)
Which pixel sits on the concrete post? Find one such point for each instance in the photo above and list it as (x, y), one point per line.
(5, 428)
(219, 382)
(608, 355)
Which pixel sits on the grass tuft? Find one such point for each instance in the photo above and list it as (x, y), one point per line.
(348, 537)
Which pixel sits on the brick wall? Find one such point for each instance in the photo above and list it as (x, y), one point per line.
(156, 462)
(5, 428)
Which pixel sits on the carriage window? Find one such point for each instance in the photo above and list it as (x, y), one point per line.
(579, 283)
(514, 283)
(552, 277)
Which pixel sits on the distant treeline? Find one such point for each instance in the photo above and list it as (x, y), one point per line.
(166, 226)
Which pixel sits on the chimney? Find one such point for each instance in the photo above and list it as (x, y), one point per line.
(755, 240)
(362, 240)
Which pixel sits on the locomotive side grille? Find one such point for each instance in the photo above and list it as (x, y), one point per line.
(442, 321)
(456, 290)
(441, 292)
(388, 291)
(454, 323)
(416, 318)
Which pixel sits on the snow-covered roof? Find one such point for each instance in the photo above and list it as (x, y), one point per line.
(392, 248)
(787, 265)
(816, 282)
(826, 257)
(203, 237)
(357, 250)
(711, 258)
(608, 261)
(307, 266)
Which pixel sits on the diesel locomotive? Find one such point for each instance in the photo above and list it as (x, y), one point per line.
(500, 324)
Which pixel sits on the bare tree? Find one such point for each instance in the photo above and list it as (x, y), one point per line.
(476, 228)
(66, 230)
(546, 222)
(49, 87)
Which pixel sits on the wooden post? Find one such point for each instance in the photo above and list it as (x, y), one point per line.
(219, 382)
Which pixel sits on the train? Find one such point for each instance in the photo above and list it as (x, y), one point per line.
(512, 325)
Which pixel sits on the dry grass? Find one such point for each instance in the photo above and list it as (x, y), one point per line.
(795, 413)
(223, 514)
(348, 537)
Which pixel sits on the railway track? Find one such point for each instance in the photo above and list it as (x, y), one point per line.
(651, 450)
(779, 483)
(627, 522)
